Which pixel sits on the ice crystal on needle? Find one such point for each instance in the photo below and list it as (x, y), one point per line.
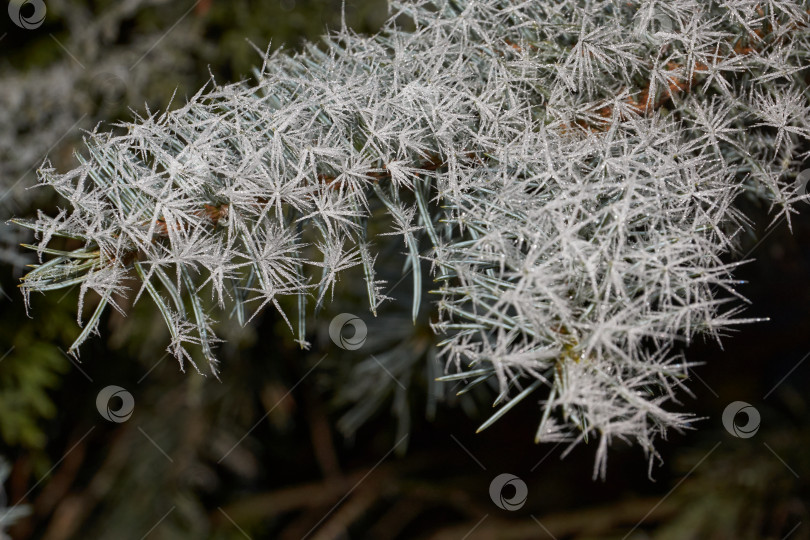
(569, 169)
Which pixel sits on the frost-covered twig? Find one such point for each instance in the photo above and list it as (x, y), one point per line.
(569, 170)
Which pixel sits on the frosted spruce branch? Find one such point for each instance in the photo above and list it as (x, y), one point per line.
(568, 169)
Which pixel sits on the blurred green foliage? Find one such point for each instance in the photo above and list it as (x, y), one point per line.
(31, 367)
